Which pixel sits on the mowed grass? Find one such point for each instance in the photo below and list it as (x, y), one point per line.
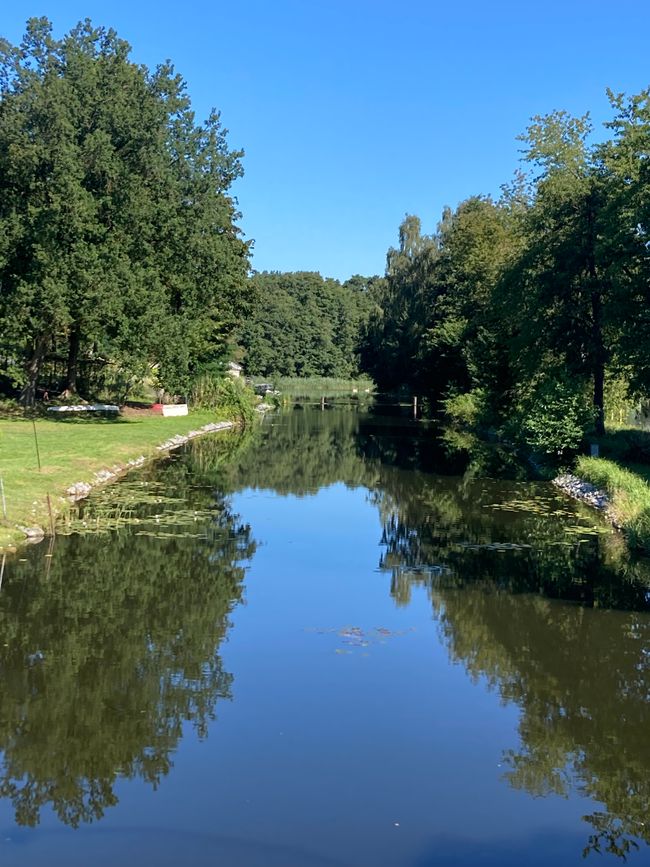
(629, 494)
(72, 450)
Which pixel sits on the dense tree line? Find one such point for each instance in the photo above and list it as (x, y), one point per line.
(528, 312)
(306, 325)
(118, 241)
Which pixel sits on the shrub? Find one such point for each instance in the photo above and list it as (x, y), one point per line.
(555, 416)
(465, 409)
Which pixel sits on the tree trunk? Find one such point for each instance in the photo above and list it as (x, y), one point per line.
(598, 346)
(33, 369)
(599, 398)
(74, 341)
(598, 361)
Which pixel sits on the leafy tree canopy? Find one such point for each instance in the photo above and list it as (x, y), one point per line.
(119, 241)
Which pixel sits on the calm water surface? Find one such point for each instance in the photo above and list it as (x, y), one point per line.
(328, 643)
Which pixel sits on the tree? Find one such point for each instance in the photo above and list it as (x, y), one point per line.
(624, 160)
(305, 325)
(119, 237)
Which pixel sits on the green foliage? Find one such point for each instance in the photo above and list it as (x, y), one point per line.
(554, 416)
(229, 395)
(304, 325)
(551, 280)
(465, 409)
(629, 493)
(119, 242)
(322, 386)
(628, 445)
(619, 405)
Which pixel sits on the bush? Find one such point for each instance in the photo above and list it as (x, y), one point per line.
(465, 409)
(555, 416)
(627, 444)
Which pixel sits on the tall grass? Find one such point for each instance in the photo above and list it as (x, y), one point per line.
(629, 495)
(321, 386)
(225, 394)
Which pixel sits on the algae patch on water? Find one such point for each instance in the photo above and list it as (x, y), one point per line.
(142, 507)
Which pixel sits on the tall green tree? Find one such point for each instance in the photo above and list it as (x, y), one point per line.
(119, 236)
(564, 313)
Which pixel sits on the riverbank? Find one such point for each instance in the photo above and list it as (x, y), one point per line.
(619, 492)
(628, 495)
(76, 455)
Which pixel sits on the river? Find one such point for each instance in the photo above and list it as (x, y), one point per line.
(328, 642)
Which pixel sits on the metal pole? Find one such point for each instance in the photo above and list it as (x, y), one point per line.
(4, 502)
(415, 407)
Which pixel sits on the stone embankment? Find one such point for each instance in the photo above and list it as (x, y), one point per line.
(586, 493)
(81, 489)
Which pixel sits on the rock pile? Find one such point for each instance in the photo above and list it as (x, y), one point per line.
(585, 492)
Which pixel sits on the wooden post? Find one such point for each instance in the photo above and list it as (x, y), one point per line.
(4, 502)
(415, 407)
(322, 403)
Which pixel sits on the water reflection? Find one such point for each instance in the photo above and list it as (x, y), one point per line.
(110, 646)
(580, 679)
(494, 556)
(437, 515)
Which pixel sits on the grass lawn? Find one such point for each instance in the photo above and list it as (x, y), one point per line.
(72, 450)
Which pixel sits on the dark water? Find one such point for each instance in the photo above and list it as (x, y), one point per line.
(329, 643)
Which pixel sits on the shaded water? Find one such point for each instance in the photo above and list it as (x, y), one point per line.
(326, 644)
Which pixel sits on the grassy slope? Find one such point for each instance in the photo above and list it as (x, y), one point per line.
(629, 494)
(71, 451)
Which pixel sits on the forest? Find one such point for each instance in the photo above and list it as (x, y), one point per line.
(526, 315)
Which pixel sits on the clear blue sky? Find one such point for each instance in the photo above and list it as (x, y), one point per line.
(355, 112)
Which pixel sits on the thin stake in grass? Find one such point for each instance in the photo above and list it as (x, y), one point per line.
(38, 454)
(4, 501)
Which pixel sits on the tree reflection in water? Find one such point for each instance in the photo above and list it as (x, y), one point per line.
(579, 674)
(105, 657)
(495, 557)
(112, 646)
